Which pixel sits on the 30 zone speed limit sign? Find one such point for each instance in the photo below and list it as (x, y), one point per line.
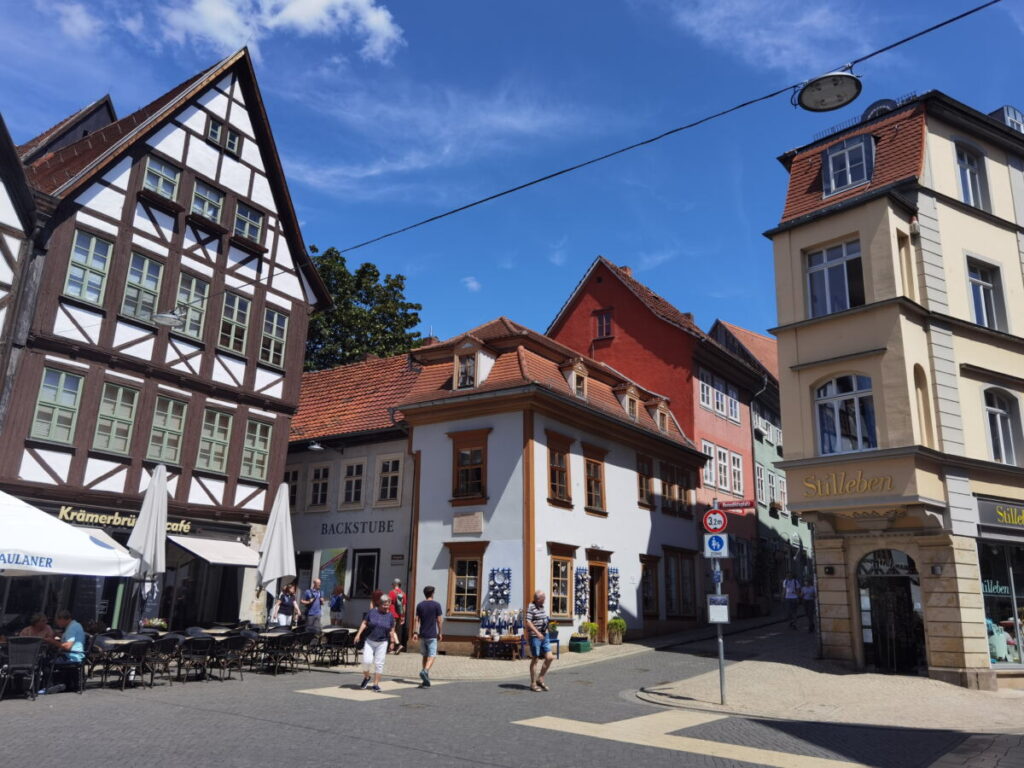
(715, 521)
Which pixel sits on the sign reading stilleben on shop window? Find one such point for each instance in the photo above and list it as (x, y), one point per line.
(1005, 514)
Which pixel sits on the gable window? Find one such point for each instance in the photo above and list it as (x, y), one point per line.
(722, 456)
(835, 279)
(603, 322)
(215, 131)
(275, 326)
(561, 568)
(256, 450)
(644, 470)
(207, 202)
(389, 479)
(115, 419)
(467, 371)
(708, 449)
(845, 415)
(166, 432)
(234, 323)
(319, 480)
(142, 287)
(848, 164)
(580, 385)
(192, 293)
(559, 486)
(469, 464)
(291, 479)
(161, 177)
(759, 484)
(1003, 425)
(352, 492)
(214, 441)
(248, 222)
(87, 271)
(233, 142)
(986, 294)
(737, 473)
(971, 168)
(57, 406)
(707, 387)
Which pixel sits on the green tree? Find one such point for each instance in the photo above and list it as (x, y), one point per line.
(369, 315)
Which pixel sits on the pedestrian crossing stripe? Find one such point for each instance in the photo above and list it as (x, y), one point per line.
(653, 731)
(352, 692)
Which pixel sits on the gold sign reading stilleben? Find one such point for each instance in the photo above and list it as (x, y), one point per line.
(1009, 514)
(845, 484)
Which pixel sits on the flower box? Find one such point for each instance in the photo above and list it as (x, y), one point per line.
(580, 646)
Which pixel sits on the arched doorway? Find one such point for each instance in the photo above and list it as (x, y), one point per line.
(892, 624)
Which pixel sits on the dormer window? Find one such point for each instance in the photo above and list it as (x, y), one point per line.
(579, 385)
(663, 421)
(848, 164)
(631, 407)
(467, 371)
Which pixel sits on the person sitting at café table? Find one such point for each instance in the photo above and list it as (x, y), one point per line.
(37, 627)
(72, 639)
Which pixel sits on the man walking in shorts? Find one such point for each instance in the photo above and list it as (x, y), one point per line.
(428, 627)
(537, 633)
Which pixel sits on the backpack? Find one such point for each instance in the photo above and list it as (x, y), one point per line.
(337, 603)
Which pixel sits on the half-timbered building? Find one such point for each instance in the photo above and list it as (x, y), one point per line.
(160, 318)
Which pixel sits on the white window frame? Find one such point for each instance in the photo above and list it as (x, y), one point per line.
(783, 493)
(990, 285)
(1001, 422)
(825, 265)
(344, 481)
(858, 395)
(315, 483)
(733, 403)
(773, 491)
(709, 475)
(736, 473)
(722, 459)
(759, 483)
(379, 475)
(707, 386)
(971, 176)
(719, 394)
(844, 158)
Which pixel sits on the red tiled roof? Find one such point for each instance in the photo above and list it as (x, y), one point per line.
(49, 172)
(29, 147)
(899, 155)
(764, 348)
(523, 358)
(659, 306)
(352, 398)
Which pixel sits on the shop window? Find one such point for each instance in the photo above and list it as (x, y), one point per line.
(115, 419)
(214, 441)
(845, 415)
(1002, 573)
(88, 267)
(57, 406)
(649, 585)
(389, 480)
(644, 470)
(256, 449)
(680, 598)
(352, 483)
(561, 597)
(469, 466)
(166, 433)
(835, 279)
(559, 479)
(319, 480)
(1003, 425)
(142, 288)
(465, 596)
(365, 568)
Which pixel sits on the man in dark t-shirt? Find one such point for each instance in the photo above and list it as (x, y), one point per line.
(429, 622)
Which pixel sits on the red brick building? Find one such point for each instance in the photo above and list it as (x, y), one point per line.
(617, 320)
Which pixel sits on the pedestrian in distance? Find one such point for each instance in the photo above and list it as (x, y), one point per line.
(378, 626)
(337, 606)
(398, 610)
(428, 629)
(313, 602)
(791, 598)
(285, 611)
(808, 593)
(540, 648)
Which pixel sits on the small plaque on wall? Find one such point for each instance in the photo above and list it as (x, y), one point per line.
(470, 522)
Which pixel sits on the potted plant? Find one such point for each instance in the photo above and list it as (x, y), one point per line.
(579, 642)
(589, 628)
(616, 630)
(552, 630)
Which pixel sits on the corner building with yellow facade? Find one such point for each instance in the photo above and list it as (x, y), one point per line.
(899, 265)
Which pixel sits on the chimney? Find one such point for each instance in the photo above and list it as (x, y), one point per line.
(628, 271)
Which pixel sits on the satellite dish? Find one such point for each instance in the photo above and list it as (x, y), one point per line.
(828, 92)
(878, 108)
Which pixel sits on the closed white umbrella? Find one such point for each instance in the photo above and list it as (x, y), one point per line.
(277, 555)
(33, 543)
(148, 540)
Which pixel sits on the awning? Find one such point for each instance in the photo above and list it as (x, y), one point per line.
(106, 538)
(217, 551)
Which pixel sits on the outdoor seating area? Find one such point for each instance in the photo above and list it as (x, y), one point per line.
(120, 660)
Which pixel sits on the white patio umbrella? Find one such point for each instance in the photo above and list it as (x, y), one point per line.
(34, 543)
(148, 540)
(277, 555)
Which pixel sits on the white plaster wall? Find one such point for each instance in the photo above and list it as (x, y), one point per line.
(325, 528)
(7, 213)
(502, 512)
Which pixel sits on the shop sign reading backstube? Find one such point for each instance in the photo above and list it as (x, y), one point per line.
(844, 484)
(362, 526)
(114, 519)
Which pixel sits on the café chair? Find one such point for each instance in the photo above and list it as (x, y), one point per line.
(22, 661)
(161, 654)
(194, 654)
(127, 661)
(229, 654)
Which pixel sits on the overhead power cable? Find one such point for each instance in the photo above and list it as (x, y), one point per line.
(664, 135)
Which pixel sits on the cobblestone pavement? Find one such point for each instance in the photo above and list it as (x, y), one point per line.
(592, 717)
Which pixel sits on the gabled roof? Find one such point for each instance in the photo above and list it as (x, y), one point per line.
(63, 172)
(14, 182)
(763, 349)
(354, 398)
(525, 358)
(655, 303)
(32, 148)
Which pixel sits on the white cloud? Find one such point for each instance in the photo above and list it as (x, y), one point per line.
(226, 25)
(471, 284)
(654, 259)
(74, 20)
(792, 35)
(558, 255)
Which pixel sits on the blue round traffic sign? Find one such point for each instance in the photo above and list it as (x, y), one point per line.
(716, 543)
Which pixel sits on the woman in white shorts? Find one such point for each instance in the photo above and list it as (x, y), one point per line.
(379, 627)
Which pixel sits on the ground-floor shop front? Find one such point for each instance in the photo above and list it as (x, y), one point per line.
(210, 575)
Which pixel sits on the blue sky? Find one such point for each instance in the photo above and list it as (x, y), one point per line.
(386, 112)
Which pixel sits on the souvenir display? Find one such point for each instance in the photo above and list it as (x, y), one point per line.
(582, 592)
(500, 587)
(613, 591)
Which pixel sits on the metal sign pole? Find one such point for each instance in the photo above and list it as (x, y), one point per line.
(716, 568)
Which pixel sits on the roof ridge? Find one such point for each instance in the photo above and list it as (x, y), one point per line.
(742, 328)
(26, 149)
(524, 365)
